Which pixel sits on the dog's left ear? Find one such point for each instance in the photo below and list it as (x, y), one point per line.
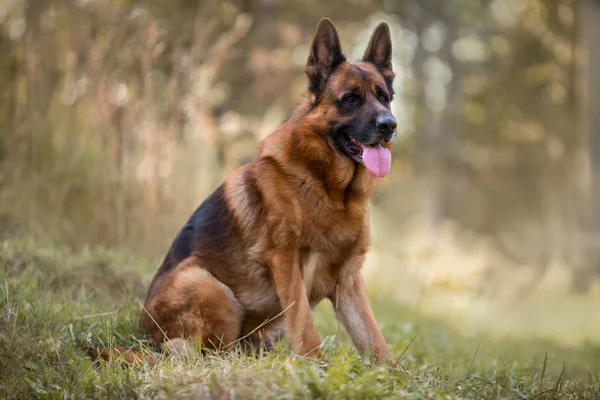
(325, 55)
(379, 51)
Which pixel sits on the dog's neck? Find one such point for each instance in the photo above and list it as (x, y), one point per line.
(315, 160)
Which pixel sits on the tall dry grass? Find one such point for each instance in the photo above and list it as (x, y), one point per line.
(111, 136)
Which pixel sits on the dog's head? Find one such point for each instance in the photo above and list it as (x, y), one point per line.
(354, 99)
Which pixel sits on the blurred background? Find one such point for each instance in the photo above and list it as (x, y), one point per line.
(118, 117)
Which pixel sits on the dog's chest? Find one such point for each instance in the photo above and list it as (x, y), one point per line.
(326, 250)
(316, 274)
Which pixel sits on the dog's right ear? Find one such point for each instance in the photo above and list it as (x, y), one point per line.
(379, 52)
(324, 57)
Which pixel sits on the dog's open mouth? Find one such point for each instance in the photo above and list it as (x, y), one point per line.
(374, 156)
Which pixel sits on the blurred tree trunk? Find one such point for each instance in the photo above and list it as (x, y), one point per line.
(428, 151)
(8, 79)
(591, 40)
(427, 123)
(451, 166)
(35, 93)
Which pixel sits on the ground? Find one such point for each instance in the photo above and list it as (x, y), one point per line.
(51, 299)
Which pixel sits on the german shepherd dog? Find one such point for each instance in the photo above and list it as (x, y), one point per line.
(291, 228)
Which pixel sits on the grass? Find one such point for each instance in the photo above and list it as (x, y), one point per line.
(52, 299)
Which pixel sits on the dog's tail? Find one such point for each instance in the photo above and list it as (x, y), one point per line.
(118, 353)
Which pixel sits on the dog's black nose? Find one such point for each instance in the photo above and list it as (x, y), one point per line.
(386, 124)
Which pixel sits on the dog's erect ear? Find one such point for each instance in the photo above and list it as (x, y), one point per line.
(325, 55)
(379, 51)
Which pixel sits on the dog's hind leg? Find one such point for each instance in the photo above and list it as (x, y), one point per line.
(190, 303)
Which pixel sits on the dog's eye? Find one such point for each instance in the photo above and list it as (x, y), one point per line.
(382, 98)
(350, 99)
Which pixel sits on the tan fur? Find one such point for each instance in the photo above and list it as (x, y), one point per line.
(215, 316)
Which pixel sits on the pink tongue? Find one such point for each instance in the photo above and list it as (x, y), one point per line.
(377, 159)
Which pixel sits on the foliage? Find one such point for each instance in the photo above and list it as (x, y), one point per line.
(120, 116)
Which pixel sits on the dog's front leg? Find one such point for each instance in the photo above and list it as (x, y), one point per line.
(354, 311)
(289, 285)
